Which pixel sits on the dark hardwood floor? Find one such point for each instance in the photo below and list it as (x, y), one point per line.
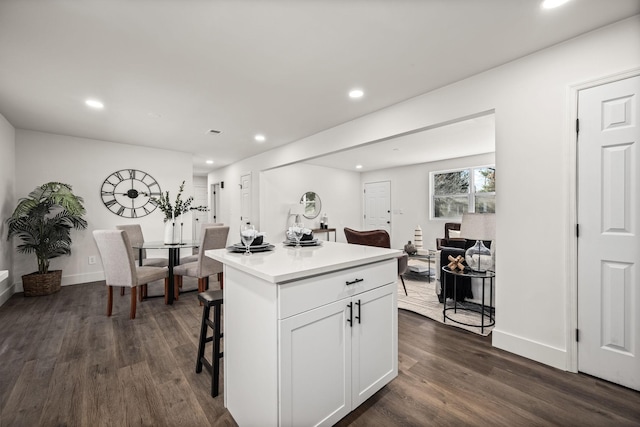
(64, 363)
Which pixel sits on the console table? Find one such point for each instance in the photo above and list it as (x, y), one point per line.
(326, 230)
(485, 312)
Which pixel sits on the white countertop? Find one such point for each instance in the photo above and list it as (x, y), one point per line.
(286, 263)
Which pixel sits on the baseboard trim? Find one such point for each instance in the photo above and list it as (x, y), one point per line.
(524, 347)
(6, 294)
(82, 278)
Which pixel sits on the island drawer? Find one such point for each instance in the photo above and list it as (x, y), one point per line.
(302, 295)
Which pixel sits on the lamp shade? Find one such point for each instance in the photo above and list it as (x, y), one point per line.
(478, 226)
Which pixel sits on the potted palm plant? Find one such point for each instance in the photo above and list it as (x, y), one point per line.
(43, 221)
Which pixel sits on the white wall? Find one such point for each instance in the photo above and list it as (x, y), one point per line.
(84, 164)
(410, 194)
(535, 164)
(7, 201)
(339, 191)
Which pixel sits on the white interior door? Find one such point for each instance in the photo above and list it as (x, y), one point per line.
(609, 221)
(245, 198)
(199, 199)
(377, 206)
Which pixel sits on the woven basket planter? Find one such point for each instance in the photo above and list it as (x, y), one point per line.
(36, 284)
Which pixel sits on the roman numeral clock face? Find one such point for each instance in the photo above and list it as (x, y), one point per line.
(128, 193)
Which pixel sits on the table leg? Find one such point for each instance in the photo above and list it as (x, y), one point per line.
(482, 308)
(173, 253)
(444, 296)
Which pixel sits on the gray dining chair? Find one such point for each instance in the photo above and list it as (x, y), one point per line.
(212, 238)
(194, 252)
(134, 231)
(120, 268)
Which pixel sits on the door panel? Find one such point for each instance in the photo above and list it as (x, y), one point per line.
(377, 202)
(609, 245)
(315, 367)
(199, 199)
(245, 198)
(374, 342)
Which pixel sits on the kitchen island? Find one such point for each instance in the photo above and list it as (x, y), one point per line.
(309, 333)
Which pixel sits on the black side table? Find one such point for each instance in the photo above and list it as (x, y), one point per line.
(485, 312)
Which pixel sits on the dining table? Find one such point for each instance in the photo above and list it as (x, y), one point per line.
(174, 258)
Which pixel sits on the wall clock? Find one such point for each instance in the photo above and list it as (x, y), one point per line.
(128, 193)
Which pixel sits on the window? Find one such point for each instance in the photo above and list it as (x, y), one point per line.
(464, 190)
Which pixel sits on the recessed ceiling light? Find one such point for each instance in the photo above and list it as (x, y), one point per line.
(550, 4)
(356, 93)
(94, 104)
(209, 162)
(260, 138)
(358, 166)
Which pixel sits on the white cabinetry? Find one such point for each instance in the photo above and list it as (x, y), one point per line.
(336, 356)
(308, 334)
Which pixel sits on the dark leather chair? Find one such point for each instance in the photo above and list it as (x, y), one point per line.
(378, 238)
(448, 226)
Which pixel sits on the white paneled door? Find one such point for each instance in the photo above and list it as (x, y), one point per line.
(245, 198)
(609, 224)
(377, 206)
(200, 198)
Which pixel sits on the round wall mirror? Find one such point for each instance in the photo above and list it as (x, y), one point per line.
(312, 204)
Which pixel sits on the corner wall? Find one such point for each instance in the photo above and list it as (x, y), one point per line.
(7, 202)
(410, 194)
(84, 164)
(339, 193)
(534, 164)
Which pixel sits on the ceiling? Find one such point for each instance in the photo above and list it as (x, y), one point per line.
(168, 71)
(460, 139)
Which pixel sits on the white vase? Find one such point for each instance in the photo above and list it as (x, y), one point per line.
(417, 237)
(170, 233)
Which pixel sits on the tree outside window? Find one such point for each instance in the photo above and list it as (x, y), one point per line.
(465, 190)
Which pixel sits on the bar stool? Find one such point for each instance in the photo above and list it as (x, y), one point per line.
(211, 298)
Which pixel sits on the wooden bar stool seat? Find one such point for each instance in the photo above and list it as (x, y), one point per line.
(211, 298)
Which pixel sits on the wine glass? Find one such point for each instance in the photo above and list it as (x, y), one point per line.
(247, 234)
(297, 229)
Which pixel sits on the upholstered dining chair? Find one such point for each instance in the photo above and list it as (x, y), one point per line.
(120, 268)
(134, 231)
(194, 254)
(212, 238)
(381, 239)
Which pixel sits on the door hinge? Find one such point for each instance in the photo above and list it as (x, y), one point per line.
(577, 335)
(577, 230)
(577, 125)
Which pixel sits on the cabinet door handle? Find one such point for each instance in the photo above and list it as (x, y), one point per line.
(359, 316)
(350, 319)
(354, 281)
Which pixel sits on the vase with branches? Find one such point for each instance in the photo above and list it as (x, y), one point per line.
(174, 211)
